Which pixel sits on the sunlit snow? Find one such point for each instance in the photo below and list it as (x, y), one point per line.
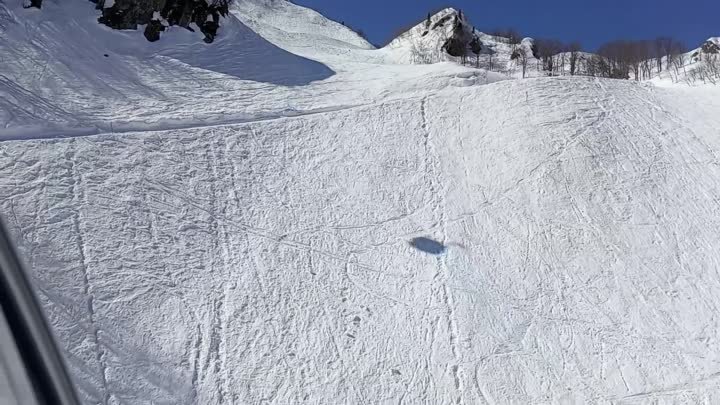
(288, 215)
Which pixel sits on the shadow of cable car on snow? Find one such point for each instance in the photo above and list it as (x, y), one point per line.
(428, 245)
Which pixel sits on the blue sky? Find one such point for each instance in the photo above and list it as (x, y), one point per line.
(590, 22)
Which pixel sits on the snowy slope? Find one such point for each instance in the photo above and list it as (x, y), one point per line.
(56, 64)
(56, 79)
(288, 23)
(271, 260)
(249, 233)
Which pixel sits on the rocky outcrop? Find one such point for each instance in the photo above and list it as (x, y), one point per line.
(710, 47)
(125, 14)
(32, 3)
(128, 14)
(153, 30)
(443, 36)
(458, 43)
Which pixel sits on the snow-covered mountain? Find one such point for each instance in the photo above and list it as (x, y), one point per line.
(269, 219)
(427, 42)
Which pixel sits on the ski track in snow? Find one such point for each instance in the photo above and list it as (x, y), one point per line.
(252, 244)
(78, 200)
(268, 250)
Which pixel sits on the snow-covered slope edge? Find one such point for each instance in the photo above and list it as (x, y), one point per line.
(63, 68)
(290, 24)
(66, 75)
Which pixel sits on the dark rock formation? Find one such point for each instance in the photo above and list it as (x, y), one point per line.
(128, 14)
(209, 28)
(457, 44)
(32, 3)
(125, 14)
(153, 30)
(710, 47)
(442, 21)
(476, 45)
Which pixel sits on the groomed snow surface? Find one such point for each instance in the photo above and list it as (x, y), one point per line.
(385, 234)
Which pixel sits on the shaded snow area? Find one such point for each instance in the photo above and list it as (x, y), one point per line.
(283, 222)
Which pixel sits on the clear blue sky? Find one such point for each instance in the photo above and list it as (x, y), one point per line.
(590, 22)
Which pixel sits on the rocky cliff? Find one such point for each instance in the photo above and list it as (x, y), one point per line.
(156, 15)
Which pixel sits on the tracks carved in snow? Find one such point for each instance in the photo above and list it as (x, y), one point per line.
(220, 247)
(440, 290)
(78, 197)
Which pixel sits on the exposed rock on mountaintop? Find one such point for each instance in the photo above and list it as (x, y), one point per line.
(158, 14)
(128, 14)
(444, 35)
(712, 45)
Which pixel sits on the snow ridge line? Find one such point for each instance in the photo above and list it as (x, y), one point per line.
(87, 289)
(114, 128)
(440, 207)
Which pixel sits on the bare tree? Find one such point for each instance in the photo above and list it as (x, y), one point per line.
(548, 51)
(574, 51)
(707, 69)
(711, 62)
(643, 58)
(604, 67)
(634, 55)
(420, 54)
(560, 64)
(678, 62)
(514, 38)
(510, 35)
(593, 66)
(623, 58)
(476, 48)
(639, 58)
(661, 47)
(520, 57)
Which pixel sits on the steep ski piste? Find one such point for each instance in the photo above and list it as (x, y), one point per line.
(343, 227)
